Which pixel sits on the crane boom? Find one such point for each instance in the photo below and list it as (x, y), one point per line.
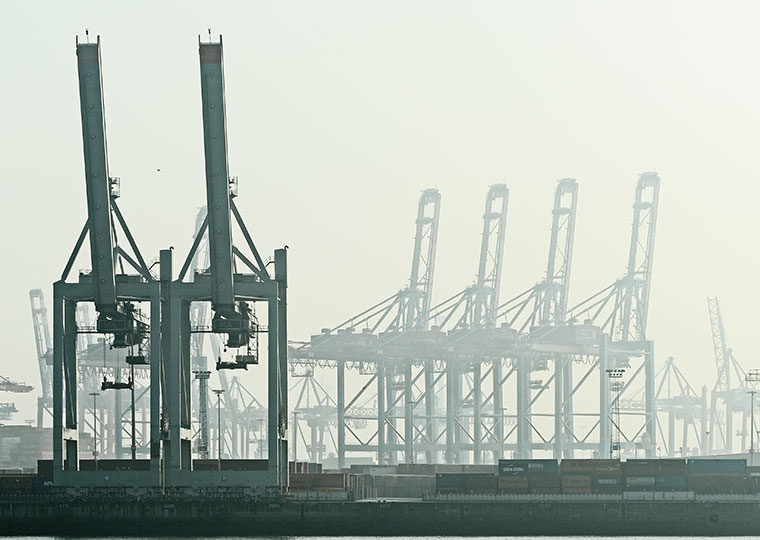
(97, 177)
(217, 176)
(491, 256)
(557, 284)
(116, 317)
(423, 259)
(720, 347)
(635, 301)
(43, 343)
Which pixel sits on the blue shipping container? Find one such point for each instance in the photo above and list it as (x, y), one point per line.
(639, 482)
(717, 466)
(670, 483)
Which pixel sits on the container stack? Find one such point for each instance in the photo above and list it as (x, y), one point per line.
(517, 476)
(303, 467)
(318, 482)
(466, 483)
(727, 476)
(404, 485)
(585, 476)
(362, 486)
(655, 474)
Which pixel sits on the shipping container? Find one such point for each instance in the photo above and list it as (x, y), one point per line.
(576, 483)
(654, 467)
(406, 486)
(538, 481)
(640, 483)
(318, 481)
(513, 484)
(670, 483)
(465, 483)
(203, 464)
(528, 466)
(116, 464)
(17, 484)
(590, 466)
(365, 468)
(424, 469)
(519, 483)
(451, 482)
(715, 484)
(717, 466)
(362, 487)
(482, 483)
(607, 484)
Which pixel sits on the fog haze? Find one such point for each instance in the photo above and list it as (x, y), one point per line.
(339, 113)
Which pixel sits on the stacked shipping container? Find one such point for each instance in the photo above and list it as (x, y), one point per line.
(591, 476)
(655, 474)
(718, 476)
(528, 476)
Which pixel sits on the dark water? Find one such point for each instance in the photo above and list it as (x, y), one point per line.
(400, 537)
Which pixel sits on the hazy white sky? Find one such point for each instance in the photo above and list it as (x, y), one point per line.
(340, 112)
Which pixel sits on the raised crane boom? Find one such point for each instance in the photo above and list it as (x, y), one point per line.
(115, 316)
(43, 343)
(97, 176)
(476, 306)
(724, 358)
(730, 384)
(553, 296)
(491, 256)
(217, 177)
(635, 304)
(545, 304)
(232, 319)
(621, 309)
(7, 385)
(423, 260)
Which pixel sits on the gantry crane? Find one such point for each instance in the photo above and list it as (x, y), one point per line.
(540, 310)
(116, 293)
(730, 387)
(620, 312)
(394, 340)
(231, 292)
(240, 418)
(677, 402)
(8, 385)
(470, 316)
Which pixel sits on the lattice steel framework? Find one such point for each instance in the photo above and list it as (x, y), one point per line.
(729, 394)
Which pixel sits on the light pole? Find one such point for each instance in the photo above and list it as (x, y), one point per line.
(202, 376)
(219, 426)
(616, 385)
(295, 436)
(95, 427)
(261, 438)
(753, 376)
